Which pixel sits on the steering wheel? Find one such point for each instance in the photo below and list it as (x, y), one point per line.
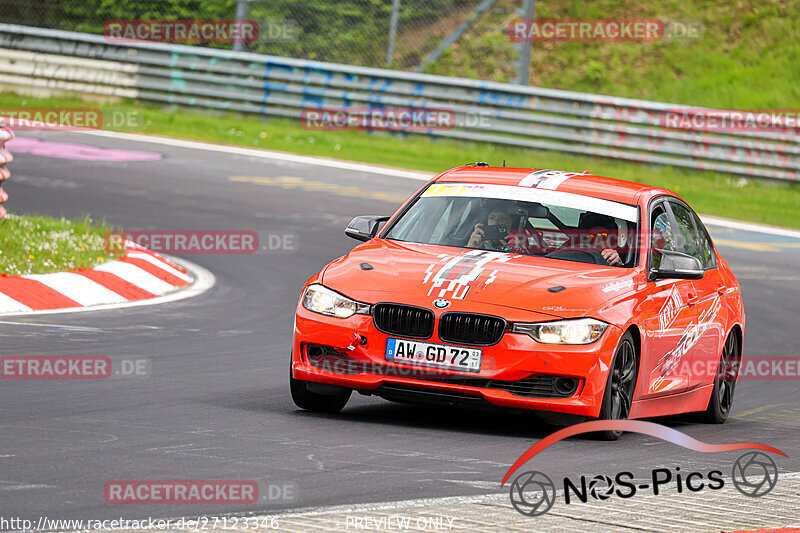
(574, 253)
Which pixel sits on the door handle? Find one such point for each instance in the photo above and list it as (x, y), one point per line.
(692, 300)
(721, 289)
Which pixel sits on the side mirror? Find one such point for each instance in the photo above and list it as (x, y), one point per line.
(677, 265)
(364, 228)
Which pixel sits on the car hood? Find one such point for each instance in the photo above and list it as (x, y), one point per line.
(474, 280)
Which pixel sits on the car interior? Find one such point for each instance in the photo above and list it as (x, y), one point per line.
(552, 231)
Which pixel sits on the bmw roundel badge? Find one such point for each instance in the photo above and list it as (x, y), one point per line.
(441, 303)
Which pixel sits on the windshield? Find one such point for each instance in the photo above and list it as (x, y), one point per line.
(521, 220)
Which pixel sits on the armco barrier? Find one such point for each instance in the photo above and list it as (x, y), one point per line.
(5, 158)
(545, 119)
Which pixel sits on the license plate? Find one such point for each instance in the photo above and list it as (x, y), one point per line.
(435, 355)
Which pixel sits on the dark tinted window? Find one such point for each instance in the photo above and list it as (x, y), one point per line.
(696, 241)
(706, 253)
(662, 236)
(687, 231)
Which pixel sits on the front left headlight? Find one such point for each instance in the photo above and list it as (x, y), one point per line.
(577, 331)
(322, 300)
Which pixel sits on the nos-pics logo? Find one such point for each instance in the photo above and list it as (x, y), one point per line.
(533, 493)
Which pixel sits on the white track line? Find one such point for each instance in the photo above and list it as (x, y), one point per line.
(363, 167)
(203, 280)
(746, 226)
(265, 154)
(41, 325)
(78, 288)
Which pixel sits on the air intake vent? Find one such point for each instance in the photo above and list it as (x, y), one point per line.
(538, 386)
(403, 320)
(471, 328)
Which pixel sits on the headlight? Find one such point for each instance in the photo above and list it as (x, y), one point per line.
(320, 299)
(579, 331)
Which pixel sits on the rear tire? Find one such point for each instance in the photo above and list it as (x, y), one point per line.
(620, 385)
(317, 402)
(721, 401)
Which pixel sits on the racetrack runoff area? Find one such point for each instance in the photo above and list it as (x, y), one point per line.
(708, 511)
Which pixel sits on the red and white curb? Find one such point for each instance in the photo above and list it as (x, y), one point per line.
(141, 277)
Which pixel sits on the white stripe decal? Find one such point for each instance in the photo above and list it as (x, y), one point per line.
(78, 288)
(542, 179)
(137, 276)
(10, 305)
(160, 264)
(533, 179)
(553, 182)
(525, 194)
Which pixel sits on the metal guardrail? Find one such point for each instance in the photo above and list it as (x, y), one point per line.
(5, 158)
(530, 117)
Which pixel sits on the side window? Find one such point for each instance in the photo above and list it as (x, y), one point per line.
(688, 232)
(567, 215)
(662, 237)
(709, 258)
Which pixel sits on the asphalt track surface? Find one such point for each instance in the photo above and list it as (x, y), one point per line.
(217, 405)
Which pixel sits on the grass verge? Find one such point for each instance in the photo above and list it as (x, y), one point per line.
(709, 193)
(51, 244)
(744, 57)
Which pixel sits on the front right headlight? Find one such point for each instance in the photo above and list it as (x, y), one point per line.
(577, 331)
(322, 300)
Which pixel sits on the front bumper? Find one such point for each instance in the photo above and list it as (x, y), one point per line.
(514, 372)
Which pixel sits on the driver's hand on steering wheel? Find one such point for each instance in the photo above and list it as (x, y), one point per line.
(611, 256)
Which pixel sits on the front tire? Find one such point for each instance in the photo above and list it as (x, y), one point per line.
(721, 401)
(620, 385)
(329, 402)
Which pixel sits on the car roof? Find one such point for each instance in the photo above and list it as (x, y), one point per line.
(617, 190)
